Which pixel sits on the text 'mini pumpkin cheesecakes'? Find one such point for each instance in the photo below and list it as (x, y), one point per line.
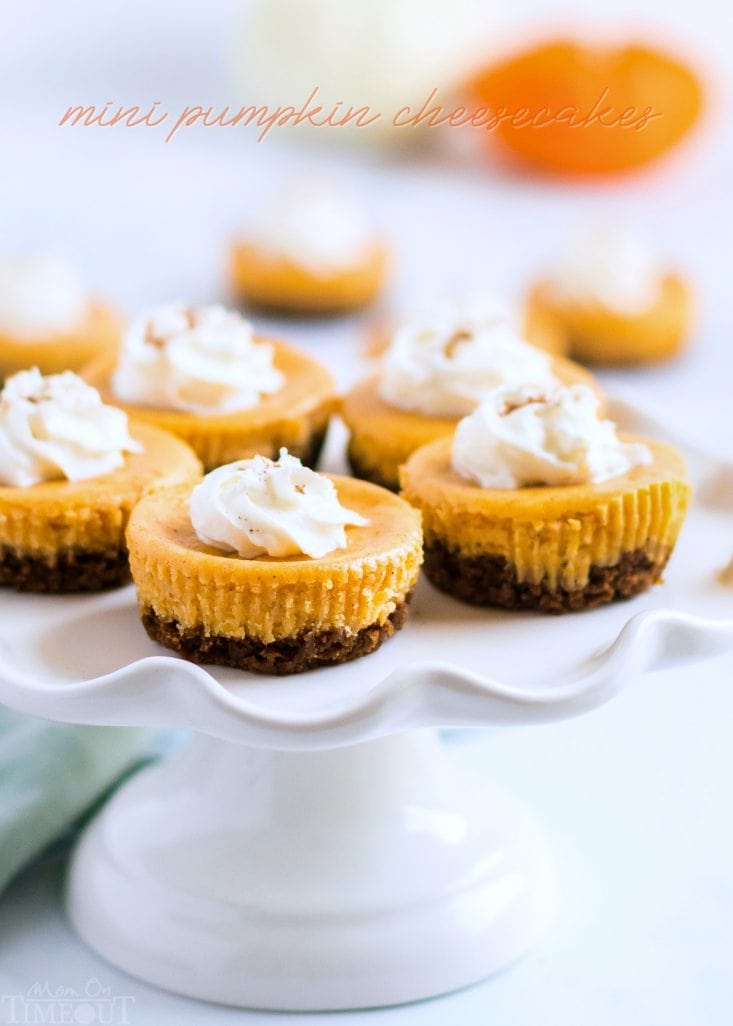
(536, 503)
(612, 302)
(71, 469)
(201, 373)
(432, 375)
(311, 251)
(47, 318)
(270, 567)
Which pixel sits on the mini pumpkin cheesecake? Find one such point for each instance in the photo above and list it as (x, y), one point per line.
(430, 378)
(311, 252)
(612, 304)
(47, 319)
(201, 374)
(71, 469)
(272, 568)
(538, 504)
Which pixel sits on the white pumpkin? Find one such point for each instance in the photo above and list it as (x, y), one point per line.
(384, 54)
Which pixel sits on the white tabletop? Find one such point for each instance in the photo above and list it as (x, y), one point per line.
(635, 795)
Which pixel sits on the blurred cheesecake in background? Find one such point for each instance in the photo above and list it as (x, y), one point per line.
(612, 302)
(311, 250)
(47, 317)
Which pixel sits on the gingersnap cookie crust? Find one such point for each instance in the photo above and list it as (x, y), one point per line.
(69, 570)
(285, 656)
(491, 580)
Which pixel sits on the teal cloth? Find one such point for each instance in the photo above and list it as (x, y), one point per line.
(50, 775)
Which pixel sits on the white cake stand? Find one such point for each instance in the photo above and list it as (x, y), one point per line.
(313, 847)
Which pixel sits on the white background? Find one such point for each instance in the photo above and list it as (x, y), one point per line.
(637, 795)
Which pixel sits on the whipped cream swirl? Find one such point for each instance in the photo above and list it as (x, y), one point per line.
(445, 367)
(197, 359)
(611, 268)
(525, 436)
(314, 226)
(58, 427)
(39, 296)
(261, 507)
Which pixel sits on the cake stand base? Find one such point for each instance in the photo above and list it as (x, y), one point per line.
(311, 881)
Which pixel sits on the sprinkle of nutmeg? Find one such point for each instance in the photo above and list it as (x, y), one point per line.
(151, 338)
(459, 336)
(518, 404)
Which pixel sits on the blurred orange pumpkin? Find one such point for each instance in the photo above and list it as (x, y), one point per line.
(569, 108)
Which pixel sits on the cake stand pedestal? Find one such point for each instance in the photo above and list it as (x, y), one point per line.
(343, 878)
